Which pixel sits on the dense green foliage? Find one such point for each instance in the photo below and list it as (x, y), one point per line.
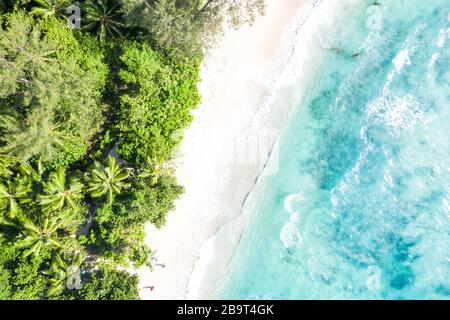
(88, 119)
(49, 80)
(162, 89)
(183, 27)
(107, 284)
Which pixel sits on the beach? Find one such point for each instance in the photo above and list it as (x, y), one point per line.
(199, 150)
(217, 162)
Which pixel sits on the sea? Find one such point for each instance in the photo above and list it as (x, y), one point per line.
(359, 204)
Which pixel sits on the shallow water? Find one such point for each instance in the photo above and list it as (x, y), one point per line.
(360, 205)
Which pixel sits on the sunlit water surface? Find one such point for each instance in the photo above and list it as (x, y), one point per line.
(360, 206)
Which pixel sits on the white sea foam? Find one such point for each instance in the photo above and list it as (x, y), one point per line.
(291, 200)
(375, 17)
(387, 173)
(443, 34)
(401, 59)
(434, 58)
(289, 235)
(446, 205)
(440, 42)
(294, 217)
(396, 113)
(201, 267)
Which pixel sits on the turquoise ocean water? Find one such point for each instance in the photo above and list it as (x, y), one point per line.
(360, 205)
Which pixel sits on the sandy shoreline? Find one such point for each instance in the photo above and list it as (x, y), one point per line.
(216, 168)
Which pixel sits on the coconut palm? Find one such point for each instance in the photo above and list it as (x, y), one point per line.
(6, 162)
(37, 236)
(102, 18)
(19, 189)
(154, 169)
(31, 174)
(143, 255)
(62, 272)
(12, 193)
(16, 5)
(46, 8)
(59, 192)
(109, 180)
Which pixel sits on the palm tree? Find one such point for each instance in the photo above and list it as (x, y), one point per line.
(12, 193)
(143, 255)
(60, 192)
(6, 162)
(154, 170)
(35, 237)
(30, 174)
(109, 180)
(17, 4)
(48, 8)
(62, 272)
(102, 18)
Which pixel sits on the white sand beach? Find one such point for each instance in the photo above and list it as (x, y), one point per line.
(210, 164)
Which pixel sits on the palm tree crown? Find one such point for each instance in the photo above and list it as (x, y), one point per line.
(62, 271)
(59, 191)
(46, 8)
(109, 180)
(35, 237)
(6, 162)
(102, 18)
(11, 194)
(154, 169)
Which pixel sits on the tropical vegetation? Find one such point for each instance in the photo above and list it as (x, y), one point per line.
(89, 121)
